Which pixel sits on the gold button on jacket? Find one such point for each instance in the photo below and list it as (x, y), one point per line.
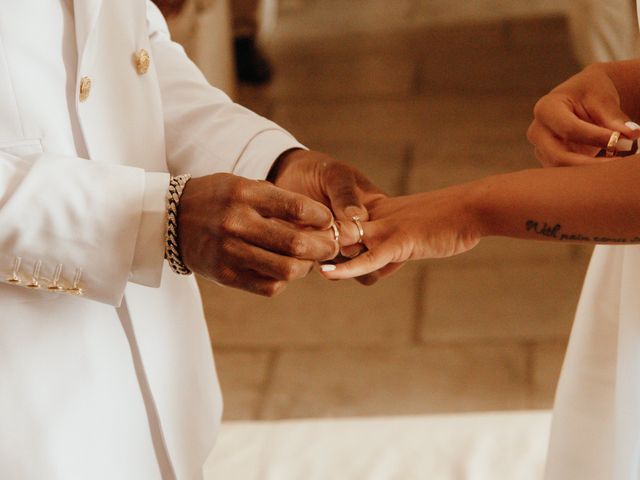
(85, 88)
(143, 60)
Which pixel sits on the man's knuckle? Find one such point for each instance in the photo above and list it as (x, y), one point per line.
(269, 289)
(295, 269)
(228, 224)
(225, 249)
(238, 189)
(298, 245)
(295, 208)
(289, 271)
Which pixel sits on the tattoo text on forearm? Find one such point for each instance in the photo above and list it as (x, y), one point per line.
(555, 231)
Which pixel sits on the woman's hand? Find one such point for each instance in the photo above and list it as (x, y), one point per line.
(428, 225)
(576, 119)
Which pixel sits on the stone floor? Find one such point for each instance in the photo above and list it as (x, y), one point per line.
(417, 106)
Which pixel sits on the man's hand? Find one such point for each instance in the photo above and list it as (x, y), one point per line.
(576, 119)
(251, 234)
(339, 186)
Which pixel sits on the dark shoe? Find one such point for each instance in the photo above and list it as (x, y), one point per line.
(251, 65)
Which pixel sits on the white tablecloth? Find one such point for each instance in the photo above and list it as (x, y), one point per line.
(491, 446)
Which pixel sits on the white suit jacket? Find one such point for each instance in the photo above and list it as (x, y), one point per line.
(118, 383)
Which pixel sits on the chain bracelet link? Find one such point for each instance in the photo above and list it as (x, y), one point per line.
(172, 245)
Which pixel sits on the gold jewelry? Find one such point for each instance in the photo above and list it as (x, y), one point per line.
(35, 277)
(611, 146)
(143, 60)
(15, 271)
(336, 232)
(55, 286)
(75, 288)
(356, 221)
(172, 245)
(85, 88)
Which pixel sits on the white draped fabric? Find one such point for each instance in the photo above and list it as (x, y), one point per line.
(596, 424)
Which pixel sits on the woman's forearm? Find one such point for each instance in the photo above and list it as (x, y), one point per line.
(597, 204)
(593, 204)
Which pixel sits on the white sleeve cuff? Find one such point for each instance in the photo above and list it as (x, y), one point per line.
(258, 156)
(148, 257)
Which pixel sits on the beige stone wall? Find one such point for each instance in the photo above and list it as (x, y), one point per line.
(330, 17)
(204, 29)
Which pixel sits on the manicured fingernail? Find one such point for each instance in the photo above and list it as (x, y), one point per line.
(353, 211)
(327, 267)
(624, 145)
(632, 125)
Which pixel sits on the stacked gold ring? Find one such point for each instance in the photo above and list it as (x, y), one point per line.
(612, 145)
(336, 232)
(356, 221)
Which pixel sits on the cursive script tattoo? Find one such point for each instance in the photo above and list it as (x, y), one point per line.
(555, 231)
(545, 230)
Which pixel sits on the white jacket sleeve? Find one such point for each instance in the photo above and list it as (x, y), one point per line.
(206, 132)
(82, 215)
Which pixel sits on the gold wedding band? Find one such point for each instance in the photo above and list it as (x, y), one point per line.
(356, 221)
(336, 232)
(612, 145)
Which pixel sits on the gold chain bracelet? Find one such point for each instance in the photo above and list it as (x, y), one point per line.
(172, 245)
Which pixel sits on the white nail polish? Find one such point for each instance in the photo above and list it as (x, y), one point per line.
(327, 268)
(632, 125)
(624, 145)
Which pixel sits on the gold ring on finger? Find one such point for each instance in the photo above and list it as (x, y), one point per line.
(336, 232)
(356, 221)
(612, 145)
